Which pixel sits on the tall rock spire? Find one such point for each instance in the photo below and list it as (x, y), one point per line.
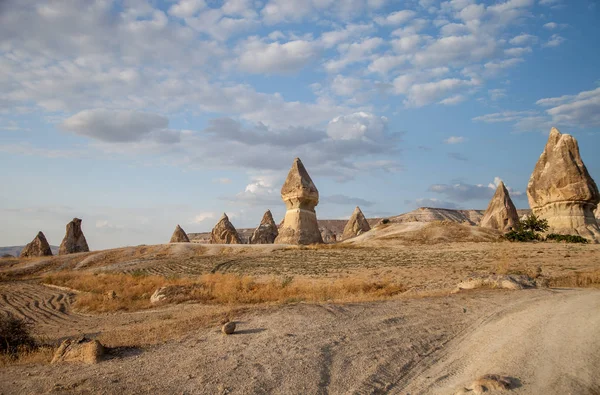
(501, 213)
(562, 191)
(38, 247)
(356, 225)
(179, 236)
(267, 231)
(300, 196)
(224, 232)
(74, 240)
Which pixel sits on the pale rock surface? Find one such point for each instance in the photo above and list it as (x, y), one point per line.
(79, 350)
(224, 232)
(328, 235)
(501, 213)
(504, 281)
(74, 240)
(38, 247)
(357, 224)
(179, 236)
(266, 232)
(562, 191)
(301, 197)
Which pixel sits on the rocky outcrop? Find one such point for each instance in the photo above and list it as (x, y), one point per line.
(301, 197)
(267, 231)
(357, 224)
(224, 232)
(79, 350)
(562, 191)
(179, 236)
(74, 240)
(328, 236)
(38, 247)
(501, 213)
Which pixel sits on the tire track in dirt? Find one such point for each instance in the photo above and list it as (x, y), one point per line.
(37, 304)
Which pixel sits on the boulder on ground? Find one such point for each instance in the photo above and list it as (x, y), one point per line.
(224, 232)
(301, 197)
(562, 191)
(505, 281)
(267, 231)
(328, 235)
(74, 240)
(501, 213)
(38, 247)
(228, 328)
(357, 224)
(81, 349)
(489, 383)
(179, 236)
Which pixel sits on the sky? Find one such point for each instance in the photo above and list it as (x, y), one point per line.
(138, 115)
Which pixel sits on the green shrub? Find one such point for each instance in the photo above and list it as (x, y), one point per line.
(566, 238)
(385, 221)
(14, 335)
(522, 235)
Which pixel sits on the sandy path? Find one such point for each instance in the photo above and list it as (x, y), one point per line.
(547, 339)
(551, 345)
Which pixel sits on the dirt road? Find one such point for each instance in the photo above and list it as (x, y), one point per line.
(547, 339)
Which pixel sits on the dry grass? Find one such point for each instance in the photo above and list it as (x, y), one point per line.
(589, 279)
(39, 355)
(133, 292)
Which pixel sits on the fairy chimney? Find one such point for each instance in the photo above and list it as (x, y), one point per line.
(74, 240)
(179, 236)
(224, 232)
(38, 247)
(501, 213)
(267, 232)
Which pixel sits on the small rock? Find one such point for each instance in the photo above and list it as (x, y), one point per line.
(79, 350)
(228, 328)
(110, 295)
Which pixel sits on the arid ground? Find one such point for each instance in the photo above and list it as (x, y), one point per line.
(376, 315)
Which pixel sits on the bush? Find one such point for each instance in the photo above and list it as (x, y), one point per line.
(14, 335)
(522, 235)
(566, 238)
(527, 229)
(385, 221)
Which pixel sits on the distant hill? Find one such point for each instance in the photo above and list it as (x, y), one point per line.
(16, 250)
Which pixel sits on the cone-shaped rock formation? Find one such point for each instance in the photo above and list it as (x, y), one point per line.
(561, 189)
(266, 231)
(74, 240)
(224, 232)
(179, 236)
(38, 247)
(357, 224)
(300, 196)
(501, 213)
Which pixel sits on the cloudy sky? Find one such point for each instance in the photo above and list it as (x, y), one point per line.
(138, 115)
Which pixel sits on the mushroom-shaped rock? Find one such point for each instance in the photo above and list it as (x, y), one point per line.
(38, 247)
(267, 231)
(356, 225)
(179, 236)
(74, 240)
(501, 213)
(300, 196)
(224, 232)
(562, 191)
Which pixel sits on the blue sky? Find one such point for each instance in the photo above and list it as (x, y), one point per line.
(140, 115)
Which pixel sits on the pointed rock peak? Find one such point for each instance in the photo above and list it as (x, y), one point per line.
(298, 179)
(74, 240)
(357, 210)
(179, 236)
(38, 247)
(267, 218)
(356, 225)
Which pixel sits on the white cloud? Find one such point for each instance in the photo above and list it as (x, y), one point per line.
(455, 140)
(496, 94)
(201, 217)
(429, 92)
(353, 52)
(257, 56)
(581, 110)
(396, 17)
(523, 39)
(453, 100)
(554, 41)
(186, 8)
(345, 86)
(357, 126)
(120, 126)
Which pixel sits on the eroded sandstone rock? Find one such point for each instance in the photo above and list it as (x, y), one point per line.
(79, 350)
(357, 224)
(38, 247)
(267, 231)
(501, 213)
(301, 197)
(74, 240)
(562, 191)
(179, 236)
(224, 232)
